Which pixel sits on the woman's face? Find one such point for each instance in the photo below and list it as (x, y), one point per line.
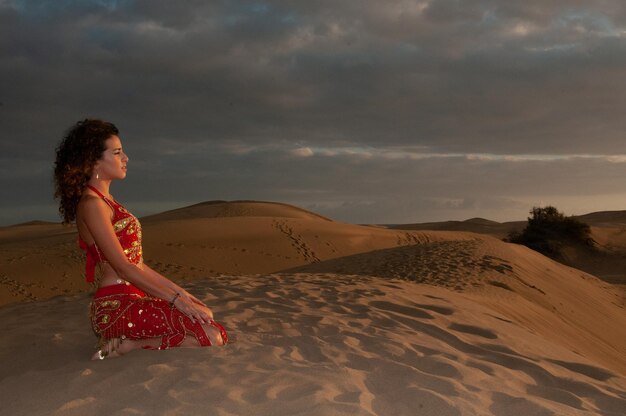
(112, 164)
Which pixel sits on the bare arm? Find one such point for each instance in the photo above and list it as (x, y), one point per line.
(164, 281)
(97, 218)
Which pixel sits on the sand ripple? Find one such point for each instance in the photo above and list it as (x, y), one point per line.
(307, 344)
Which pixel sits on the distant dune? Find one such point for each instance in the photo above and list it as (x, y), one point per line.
(217, 209)
(474, 225)
(219, 237)
(608, 229)
(608, 218)
(325, 318)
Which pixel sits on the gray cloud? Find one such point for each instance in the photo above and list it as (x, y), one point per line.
(221, 95)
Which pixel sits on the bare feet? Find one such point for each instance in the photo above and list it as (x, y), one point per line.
(115, 347)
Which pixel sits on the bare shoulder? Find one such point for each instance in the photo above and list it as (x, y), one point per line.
(90, 205)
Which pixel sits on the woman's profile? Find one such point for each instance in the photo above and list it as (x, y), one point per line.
(133, 306)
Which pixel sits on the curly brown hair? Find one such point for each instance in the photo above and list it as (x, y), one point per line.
(76, 156)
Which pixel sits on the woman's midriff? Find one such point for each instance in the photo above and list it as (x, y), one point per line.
(118, 289)
(110, 277)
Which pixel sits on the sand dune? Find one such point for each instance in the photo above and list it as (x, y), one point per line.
(326, 318)
(215, 209)
(41, 261)
(606, 260)
(602, 219)
(312, 344)
(473, 225)
(514, 277)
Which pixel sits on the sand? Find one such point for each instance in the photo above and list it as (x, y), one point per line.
(326, 319)
(606, 259)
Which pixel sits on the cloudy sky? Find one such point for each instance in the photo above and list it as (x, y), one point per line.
(365, 111)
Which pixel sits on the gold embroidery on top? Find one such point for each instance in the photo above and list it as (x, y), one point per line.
(132, 226)
(121, 224)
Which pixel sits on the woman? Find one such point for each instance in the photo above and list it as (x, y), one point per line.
(133, 306)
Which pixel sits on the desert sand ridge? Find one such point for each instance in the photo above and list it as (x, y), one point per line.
(326, 318)
(606, 260)
(26, 232)
(39, 261)
(37, 266)
(35, 222)
(474, 225)
(610, 218)
(241, 208)
(519, 278)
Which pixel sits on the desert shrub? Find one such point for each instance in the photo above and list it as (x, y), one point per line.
(548, 230)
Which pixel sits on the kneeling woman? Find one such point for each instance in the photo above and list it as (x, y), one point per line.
(133, 306)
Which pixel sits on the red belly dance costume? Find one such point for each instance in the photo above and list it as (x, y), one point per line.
(124, 310)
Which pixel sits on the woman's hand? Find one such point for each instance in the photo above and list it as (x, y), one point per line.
(194, 299)
(193, 308)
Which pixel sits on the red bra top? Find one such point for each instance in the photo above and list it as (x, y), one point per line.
(128, 232)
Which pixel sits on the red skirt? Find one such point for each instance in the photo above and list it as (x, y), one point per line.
(124, 311)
